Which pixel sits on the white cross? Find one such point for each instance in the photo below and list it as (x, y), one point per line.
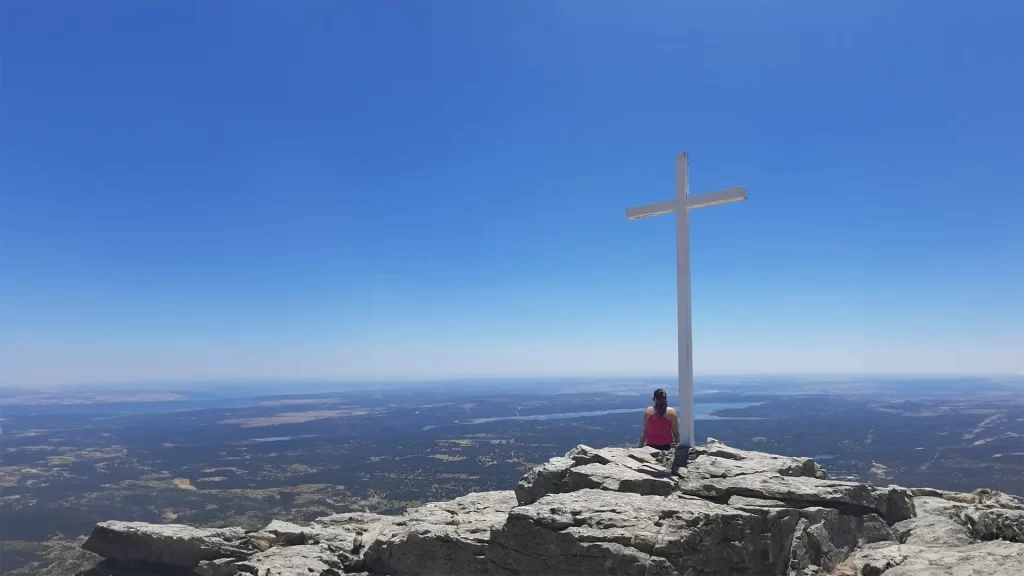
(681, 206)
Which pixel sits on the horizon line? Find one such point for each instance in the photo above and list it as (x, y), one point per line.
(242, 381)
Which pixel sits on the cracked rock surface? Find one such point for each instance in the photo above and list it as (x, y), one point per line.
(616, 511)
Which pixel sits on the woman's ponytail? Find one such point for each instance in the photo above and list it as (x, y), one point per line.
(660, 402)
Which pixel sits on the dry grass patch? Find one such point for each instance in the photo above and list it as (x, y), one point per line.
(293, 418)
(183, 483)
(448, 457)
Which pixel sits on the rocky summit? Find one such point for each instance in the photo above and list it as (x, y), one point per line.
(615, 511)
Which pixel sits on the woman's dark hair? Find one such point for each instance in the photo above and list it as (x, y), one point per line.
(660, 402)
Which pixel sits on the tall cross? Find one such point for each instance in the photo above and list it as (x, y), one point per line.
(682, 205)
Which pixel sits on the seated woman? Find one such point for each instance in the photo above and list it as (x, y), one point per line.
(661, 424)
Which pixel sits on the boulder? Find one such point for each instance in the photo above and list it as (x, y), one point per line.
(823, 539)
(984, 497)
(929, 530)
(288, 534)
(995, 524)
(351, 534)
(893, 503)
(299, 560)
(441, 537)
(723, 461)
(744, 502)
(995, 558)
(219, 567)
(602, 532)
(952, 520)
(548, 478)
(260, 541)
(874, 529)
(168, 544)
(721, 473)
(939, 522)
(637, 470)
(617, 479)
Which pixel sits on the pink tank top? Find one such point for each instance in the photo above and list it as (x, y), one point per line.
(659, 430)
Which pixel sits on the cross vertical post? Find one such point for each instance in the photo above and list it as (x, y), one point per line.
(685, 325)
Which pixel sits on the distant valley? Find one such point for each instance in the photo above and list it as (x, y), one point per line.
(212, 458)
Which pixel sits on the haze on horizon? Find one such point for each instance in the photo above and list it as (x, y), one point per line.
(223, 191)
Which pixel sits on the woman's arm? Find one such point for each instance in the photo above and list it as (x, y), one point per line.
(643, 437)
(675, 427)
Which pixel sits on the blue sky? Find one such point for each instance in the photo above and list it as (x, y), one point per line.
(344, 190)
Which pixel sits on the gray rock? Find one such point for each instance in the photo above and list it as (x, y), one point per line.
(258, 541)
(220, 567)
(938, 524)
(351, 535)
(602, 532)
(441, 537)
(169, 544)
(633, 458)
(929, 530)
(301, 560)
(996, 499)
(348, 519)
(644, 470)
(874, 529)
(288, 534)
(892, 503)
(777, 536)
(995, 558)
(745, 461)
(995, 524)
(724, 473)
(943, 521)
(548, 478)
(744, 501)
(800, 551)
(617, 479)
(983, 497)
(823, 539)
(620, 469)
(636, 470)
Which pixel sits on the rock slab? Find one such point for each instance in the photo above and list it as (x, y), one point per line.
(169, 544)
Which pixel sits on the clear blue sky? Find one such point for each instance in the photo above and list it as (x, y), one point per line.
(420, 190)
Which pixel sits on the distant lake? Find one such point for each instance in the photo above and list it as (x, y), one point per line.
(280, 438)
(700, 412)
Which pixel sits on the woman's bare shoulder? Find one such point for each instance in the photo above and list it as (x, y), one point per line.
(649, 411)
(671, 412)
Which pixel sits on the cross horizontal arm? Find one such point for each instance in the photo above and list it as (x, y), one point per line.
(648, 210)
(713, 198)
